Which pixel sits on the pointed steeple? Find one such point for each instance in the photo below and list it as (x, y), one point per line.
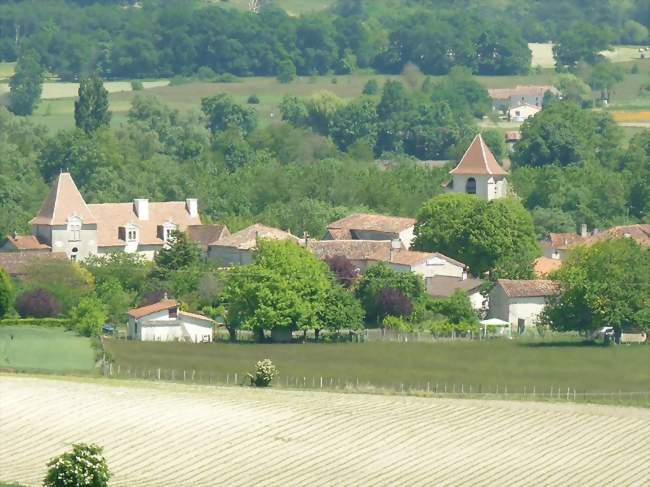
(63, 201)
(478, 160)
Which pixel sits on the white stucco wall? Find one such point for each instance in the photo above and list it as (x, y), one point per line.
(514, 309)
(159, 327)
(445, 269)
(146, 251)
(487, 187)
(407, 236)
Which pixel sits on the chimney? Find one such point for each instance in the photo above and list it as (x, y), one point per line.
(583, 230)
(192, 205)
(141, 208)
(464, 278)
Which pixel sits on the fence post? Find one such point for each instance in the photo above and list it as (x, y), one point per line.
(193, 371)
(158, 373)
(228, 378)
(321, 382)
(236, 381)
(428, 386)
(110, 369)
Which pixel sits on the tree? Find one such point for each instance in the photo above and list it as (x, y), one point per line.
(581, 42)
(117, 301)
(496, 142)
(496, 236)
(607, 284)
(26, 85)
(321, 109)
(91, 110)
(180, 253)
(7, 293)
(355, 121)
(89, 316)
(456, 309)
(380, 277)
(286, 287)
(294, 111)
(604, 76)
(84, 466)
(343, 269)
(223, 114)
(129, 270)
(67, 281)
(561, 134)
(371, 87)
(286, 71)
(393, 302)
(341, 310)
(572, 88)
(37, 303)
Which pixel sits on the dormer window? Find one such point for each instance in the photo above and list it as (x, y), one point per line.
(130, 233)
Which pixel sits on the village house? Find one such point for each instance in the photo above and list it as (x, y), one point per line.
(164, 321)
(520, 302)
(545, 265)
(446, 286)
(66, 224)
(238, 248)
(363, 226)
(521, 113)
(479, 173)
(557, 245)
(511, 139)
(505, 98)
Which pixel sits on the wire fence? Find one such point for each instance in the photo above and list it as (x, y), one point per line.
(429, 388)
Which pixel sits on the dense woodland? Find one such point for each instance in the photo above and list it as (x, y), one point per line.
(177, 37)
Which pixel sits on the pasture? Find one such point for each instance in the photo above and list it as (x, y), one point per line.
(31, 348)
(171, 435)
(486, 366)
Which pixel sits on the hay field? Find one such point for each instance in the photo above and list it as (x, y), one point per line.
(166, 435)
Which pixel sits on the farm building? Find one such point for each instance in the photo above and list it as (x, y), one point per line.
(238, 248)
(520, 302)
(362, 226)
(505, 98)
(164, 321)
(521, 113)
(479, 173)
(426, 264)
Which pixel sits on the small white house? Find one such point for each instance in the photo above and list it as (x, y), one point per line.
(521, 113)
(164, 321)
(520, 302)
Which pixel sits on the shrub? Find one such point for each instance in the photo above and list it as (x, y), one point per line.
(265, 371)
(226, 78)
(286, 71)
(393, 302)
(179, 80)
(205, 73)
(343, 269)
(84, 466)
(89, 316)
(38, 303)
(6, 293)
(371, 87)
(136, 85)
(253, 100)
(396, 324)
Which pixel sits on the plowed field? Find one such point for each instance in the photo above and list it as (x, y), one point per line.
(173, 435)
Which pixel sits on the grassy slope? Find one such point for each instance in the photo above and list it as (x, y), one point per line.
(515, 364)
(54, 350)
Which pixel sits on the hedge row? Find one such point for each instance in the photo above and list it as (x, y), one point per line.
(42, 322)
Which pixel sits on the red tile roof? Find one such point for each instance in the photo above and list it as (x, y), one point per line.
(27, 242)
(545, 265)
(15, 263)
(341, 229)
(411, 257)
(246, 239)
(528, 288)
(204, 235)
(479, 160)
(512, 136)
(445, 286)
(352, 249)
(63, 201)
(153, 308)
(520, 90)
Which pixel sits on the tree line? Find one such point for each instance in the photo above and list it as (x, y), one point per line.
(164, 39)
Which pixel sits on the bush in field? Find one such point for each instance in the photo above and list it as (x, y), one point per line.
(265, 371)
(396, 324)
(89, 316)
(253, 100)
(136, 85)
(84, 466)
(38, 303)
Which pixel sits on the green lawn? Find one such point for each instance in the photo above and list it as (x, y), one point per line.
(28, 348)
(514, 364)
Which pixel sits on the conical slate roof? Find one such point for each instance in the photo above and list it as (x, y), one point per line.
(63, 201)
(478, 160)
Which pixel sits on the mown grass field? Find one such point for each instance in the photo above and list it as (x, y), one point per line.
(484, 365)
(30, 348)
(176, 435)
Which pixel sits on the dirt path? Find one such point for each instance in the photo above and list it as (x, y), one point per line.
(169, 435)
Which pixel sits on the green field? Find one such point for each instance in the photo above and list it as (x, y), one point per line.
(29, 348)
(515, 364)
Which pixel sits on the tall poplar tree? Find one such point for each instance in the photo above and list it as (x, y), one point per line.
(91, 110)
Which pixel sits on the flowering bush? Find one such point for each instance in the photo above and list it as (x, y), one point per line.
(84, 466)
(265, 371)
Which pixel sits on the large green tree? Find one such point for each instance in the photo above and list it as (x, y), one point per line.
(180, 253)
(581, 42)
(607, 284)
(91, 109)
(224, 114)
(286, 287)
(496, 236)
(26, 85)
